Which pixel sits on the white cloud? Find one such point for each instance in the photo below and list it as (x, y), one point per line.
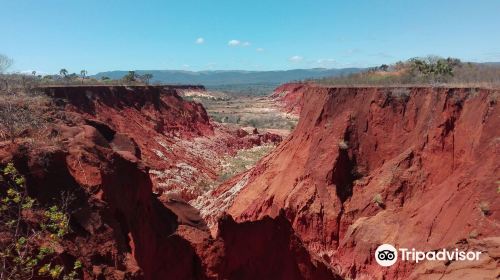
(200, 41)
(186, 65)
(238, 43)
(234, 43)
(296, 58)
(259, 49)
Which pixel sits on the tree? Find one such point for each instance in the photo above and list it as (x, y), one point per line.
(83, 73)
(130, 77)
(33, 73)
(5, 63)
(147, 77)
(63, 72)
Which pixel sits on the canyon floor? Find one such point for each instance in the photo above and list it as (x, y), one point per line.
(176, 182)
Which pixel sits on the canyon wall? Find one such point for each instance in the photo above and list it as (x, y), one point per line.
(96, 150)
(290, 97)
(175, 137)
(414, 167)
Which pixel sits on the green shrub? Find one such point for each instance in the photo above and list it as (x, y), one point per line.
(23, 257)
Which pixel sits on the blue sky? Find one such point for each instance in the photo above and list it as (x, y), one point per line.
(100, 35)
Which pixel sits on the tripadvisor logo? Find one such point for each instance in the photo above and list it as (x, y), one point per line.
(387, 255)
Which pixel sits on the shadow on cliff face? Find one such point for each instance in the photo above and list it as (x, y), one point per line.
(121, 230)
(266, 249)
(429, 162)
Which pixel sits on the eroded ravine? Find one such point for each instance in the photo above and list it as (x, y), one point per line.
(411, 167)
(364, 166)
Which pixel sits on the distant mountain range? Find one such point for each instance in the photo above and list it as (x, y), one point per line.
(233, 77)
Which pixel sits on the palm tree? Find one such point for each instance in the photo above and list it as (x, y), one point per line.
(130, 77)
(83, 73)
(33, 73)
(147, 77)
(63, 72)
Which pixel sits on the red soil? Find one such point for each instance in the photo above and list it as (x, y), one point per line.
(430, 154)
(175, 137)
(290, 97)
(120, 228)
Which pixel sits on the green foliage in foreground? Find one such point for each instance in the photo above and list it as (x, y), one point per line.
(21, 254)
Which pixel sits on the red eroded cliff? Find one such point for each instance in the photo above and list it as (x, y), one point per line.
(120, 229)
(175, 137)
(290, 97)
(414, 167)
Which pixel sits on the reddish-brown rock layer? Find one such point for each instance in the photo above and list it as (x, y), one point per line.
(175, 137)
(414, 167)
(120, 228)
(290, 97)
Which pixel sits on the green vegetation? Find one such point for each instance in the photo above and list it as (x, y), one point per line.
(146, 78)
(63, 72)
(261, 113)
(423, 71)
(130, 77)
(243, 160)
(30, 233)
(83, 73)
(271, 121)
(247, 90)
(9, 82)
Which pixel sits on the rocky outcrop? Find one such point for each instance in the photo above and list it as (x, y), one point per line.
(95, 156)
(414, 167)
(121, 230)
(175, 137)
(289, 97)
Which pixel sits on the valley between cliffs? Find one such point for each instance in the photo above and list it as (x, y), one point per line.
(365, 166)
(413, 166)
